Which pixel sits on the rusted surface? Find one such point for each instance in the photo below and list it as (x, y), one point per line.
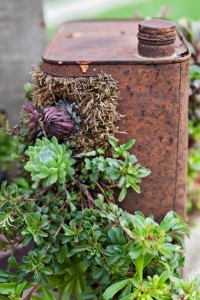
(103, 42)
(156, 115)
(154, 96)
(180, 200)
(156, 38)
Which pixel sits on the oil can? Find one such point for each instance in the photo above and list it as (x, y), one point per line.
(150, 62)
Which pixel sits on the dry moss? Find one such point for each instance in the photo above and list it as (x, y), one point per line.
(97, 99)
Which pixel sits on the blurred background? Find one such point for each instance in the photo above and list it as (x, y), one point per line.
(57, 11)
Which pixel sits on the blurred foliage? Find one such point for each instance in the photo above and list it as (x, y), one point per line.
(9, 148)
(191, 30)
(193, 182)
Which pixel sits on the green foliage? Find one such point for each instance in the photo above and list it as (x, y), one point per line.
(194, 73)
(186, 289)
(49, 162)
(73, 232)
(152, 288)
(13, 290)
(193, 163)
(191, 29)
(82, 251)
(28, 90)
(52, 163)
(194, 104)
(83, 245)
(123, 173)
(9, 148)
(155, 288)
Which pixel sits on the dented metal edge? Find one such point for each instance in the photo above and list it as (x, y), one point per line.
(141, 60)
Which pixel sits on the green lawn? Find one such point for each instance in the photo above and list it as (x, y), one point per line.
(179, 9)
(148, 8)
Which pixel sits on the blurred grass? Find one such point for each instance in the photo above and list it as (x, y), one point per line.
(179, 9)
(146, 8)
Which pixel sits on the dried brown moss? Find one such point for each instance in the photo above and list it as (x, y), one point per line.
(97, 99)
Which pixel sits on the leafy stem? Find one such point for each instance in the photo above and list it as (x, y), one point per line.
(33, 290)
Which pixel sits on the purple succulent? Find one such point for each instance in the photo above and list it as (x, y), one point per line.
(30, 119)
(57, 122)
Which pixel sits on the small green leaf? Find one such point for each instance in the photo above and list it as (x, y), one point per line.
(47, 294)
(136, 251)
(20, 288)
(4, 276)
(139, 264)
(128, 145)
(122, 194)
(97, 273)
(163, 277)
(135, 187)
(6, 288)
(114, 289)
(113, 142)
(116, 236)
(148, 258)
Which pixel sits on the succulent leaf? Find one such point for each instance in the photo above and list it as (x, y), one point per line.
(49, 162)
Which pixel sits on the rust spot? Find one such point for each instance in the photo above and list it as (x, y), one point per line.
(128, 87)
(84, 65)
(161, 138)
(126, 72)
(73, 35)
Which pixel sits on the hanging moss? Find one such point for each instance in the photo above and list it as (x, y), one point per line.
(96, 98)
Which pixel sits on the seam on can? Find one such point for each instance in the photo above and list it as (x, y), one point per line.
(177, 157)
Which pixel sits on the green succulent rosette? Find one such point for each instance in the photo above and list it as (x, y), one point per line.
(49, 163)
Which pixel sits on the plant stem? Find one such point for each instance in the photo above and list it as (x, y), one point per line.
(34, 289)
(32, 199)
(87, 194)
(54, 197)
(45, 191)
(57, 232)
(103, 192)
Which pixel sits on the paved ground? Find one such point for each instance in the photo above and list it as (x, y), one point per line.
(192, 265)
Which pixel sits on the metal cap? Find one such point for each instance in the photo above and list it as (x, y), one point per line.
(156, 38)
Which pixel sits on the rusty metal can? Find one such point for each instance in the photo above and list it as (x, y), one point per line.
(153, 79)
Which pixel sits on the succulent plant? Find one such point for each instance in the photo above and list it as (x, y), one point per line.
(57, 122)
(30, 121)
(49, 162)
